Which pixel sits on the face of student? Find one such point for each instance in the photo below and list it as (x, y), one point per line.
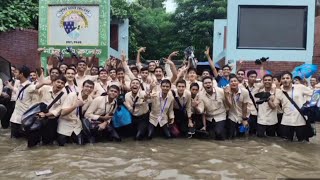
(70, 74)
(165, 87)
(135, 86)
(181, 87)
(313, 81)
(33, 76)
(226, 71)
(276, 82)
(192, 75)
(103, 75)
(158, 73)
(286, 80)
(94, 71)
(113, 74)
(194, 90)
(267, 82)
(13, 70)
(240, 75)
(58, 84)
(87, 89)
(152, 66)
(135, 73)
(205, 74)
(220, 72)
(120, 75)
(82, 67)
(17, 74)
(113, 93)
(207, 84)
(54, 74)
(234, 83)
(252, 78)
(144, 74)
(63, 68)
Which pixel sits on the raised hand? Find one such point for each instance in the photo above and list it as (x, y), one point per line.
(142, 49)
(207, 51)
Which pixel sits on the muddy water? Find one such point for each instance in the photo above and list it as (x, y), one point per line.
(250, 158)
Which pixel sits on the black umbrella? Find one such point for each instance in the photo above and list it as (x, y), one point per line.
(5, 69)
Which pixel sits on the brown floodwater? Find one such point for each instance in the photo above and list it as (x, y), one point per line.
(246, 158)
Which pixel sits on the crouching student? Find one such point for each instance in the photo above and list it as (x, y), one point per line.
(161, 109)
(237, 99)
(73, 108)
(49, 94)
(137, 103)
(182, 107)
(100, 112)
(212, 104)
(267, 110)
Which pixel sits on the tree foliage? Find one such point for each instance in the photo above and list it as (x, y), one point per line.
(18, 13)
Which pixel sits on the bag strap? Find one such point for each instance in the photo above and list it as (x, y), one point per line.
(67, 89)
(134, 103)
(141, 86)
(55, 100)
(252, 99)
(294, 104)
(177, 100)
(21, 90)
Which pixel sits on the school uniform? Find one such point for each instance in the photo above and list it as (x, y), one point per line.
(252, 108)
(182, 110)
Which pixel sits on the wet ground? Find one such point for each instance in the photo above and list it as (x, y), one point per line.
(246, 158)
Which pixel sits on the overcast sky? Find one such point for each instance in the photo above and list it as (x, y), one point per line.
(170, 5)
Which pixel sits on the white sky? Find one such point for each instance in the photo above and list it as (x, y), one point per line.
(170, 6)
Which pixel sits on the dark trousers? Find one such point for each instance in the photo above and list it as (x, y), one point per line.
(197, 121)
(5, 121)
(266, 130)
(232, 129)
(217, 130)
(279, 124)
(181, 119)
(252, 124)
(140, 124)
(62, 139)
(109, 132)
(288, 132)
(16, 131)
(3, 111)
(47, 134)
(165, 130)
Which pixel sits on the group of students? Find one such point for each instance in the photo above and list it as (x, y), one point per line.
(168, 101)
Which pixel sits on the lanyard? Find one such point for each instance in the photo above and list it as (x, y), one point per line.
(164, 105)
(236, 98)
(103, 87)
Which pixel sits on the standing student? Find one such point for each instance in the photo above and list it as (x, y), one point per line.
(237, 100)
(73, 108)
(47, 134)
(161, 110)
(182, 107)
(101, 86)
(267, 111)
(23, 100)
(293, 123)
(101, 111)
(212, 105)
(71, 85)
(137, 103)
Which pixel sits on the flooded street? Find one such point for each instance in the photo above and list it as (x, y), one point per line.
(163, 159)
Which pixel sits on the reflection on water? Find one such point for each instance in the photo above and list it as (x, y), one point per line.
(163, 159)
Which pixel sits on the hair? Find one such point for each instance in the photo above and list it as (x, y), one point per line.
(62, 78)
(182, 81)
(250, 72)
(134, 69)
(94, 67)
(194, 84)
(151, 62)
(207, 77)
(192, 69)
(25, 71)
(298, 77)
(119, 70)
(241, 70)
(62, 64)
(103, 70)
(112, 69)
(55, 68)
(277, 76)
(226, 66)
(135, 80)
(206, 70)
(114, 87)
(166, 81)
(33, 72)
(267, 75)
(72, 65)
(158, 67)
(144, 69)
(69, 68)
(286, 73)
(81, 61)
(88, 82)
(233, 76)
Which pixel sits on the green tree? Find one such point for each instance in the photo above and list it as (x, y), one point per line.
(151, 3)
(18, 13)
(194, 22)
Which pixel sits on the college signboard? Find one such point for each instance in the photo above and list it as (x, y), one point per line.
(81, 24)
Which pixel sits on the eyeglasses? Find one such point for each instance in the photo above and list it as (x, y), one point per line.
(240, 74)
